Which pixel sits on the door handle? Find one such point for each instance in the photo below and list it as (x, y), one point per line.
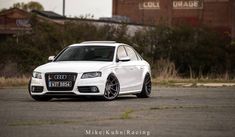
(140, 67)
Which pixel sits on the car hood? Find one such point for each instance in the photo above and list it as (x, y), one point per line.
(73, 66)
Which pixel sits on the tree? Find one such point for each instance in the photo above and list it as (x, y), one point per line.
(32, 5)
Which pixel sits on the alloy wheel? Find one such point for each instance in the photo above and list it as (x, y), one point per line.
(112, 88)
(147, 85)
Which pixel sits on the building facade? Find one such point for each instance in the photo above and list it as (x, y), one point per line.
(14, 21)
(218, 14)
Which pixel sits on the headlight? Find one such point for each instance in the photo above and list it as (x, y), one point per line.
(91, 75)
(37, 75)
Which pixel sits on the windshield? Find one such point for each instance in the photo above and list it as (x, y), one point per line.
(87, 53)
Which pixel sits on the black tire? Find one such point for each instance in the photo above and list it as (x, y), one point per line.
(146, 89)
(112, 88)
(38, 98)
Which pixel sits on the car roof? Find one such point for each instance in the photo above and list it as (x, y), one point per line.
(98, 43)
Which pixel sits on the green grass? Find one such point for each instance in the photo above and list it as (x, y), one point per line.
(127, 114)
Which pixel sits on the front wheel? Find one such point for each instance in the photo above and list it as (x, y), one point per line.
(112, 88)
(146, 89)
(37, 97)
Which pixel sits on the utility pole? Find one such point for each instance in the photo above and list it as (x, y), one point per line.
(63, 7)
(233, 19)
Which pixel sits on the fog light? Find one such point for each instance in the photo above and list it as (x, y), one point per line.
(88, 89)
(94, 89)
(33, 88)
(37, 89)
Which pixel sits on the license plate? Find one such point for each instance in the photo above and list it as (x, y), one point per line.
(60, 84)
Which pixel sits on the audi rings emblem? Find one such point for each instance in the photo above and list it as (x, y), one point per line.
(60, 77)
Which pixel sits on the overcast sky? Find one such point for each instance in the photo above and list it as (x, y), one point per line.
(98, 8)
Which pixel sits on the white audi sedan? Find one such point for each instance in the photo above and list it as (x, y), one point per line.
(94, 68)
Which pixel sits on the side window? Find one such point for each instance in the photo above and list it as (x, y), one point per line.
(138, 56)
(121, 52)
(131, 53)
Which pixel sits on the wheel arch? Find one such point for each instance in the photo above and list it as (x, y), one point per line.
(146, 72)
(113, 74)
(143, 77)
(117, 86)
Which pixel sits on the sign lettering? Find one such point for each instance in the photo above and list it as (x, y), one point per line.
(187, 4)
(23, 23)
(149, 5)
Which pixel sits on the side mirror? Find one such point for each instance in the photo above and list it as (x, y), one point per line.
(124, 59)
(51, 58)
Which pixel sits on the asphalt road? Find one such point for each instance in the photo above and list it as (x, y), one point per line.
(170, 112)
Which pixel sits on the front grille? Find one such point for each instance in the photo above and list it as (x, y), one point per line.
(37, 89)
(60, 93)
(58, 78)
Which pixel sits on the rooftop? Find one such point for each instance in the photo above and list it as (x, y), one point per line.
(49, 14)
(97, 43)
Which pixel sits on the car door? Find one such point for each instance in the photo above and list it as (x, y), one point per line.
(136, 68)
(124, 71)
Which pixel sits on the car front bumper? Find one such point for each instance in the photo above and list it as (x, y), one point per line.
(98, 82)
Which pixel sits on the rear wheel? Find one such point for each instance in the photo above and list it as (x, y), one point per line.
(112, 88)
(146, 89)
(37, 97)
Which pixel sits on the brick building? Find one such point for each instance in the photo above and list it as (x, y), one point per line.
(14, 21)
(218, 14)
